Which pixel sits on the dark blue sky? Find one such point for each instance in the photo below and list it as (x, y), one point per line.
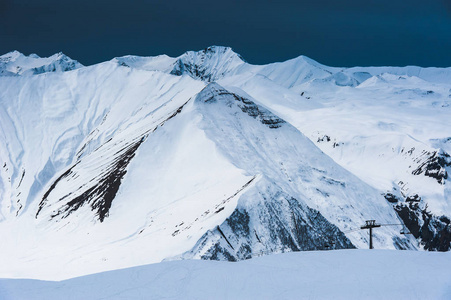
(337, 33)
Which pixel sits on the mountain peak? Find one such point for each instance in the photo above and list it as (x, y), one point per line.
(220, 50)
(214, 93)
(209, 64)
(16, 63)
(12, 55)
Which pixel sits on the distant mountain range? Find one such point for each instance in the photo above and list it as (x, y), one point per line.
(142, 159)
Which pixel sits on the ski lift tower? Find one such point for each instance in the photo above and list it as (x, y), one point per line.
(370, 224)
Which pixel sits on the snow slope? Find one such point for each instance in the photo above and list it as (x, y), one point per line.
(141, 159)
(387, 125)
(217, 148)
(342, 274)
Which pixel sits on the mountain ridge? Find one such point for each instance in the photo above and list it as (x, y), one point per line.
(16, 63)
(139, 160)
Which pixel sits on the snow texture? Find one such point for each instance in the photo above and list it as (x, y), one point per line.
(342, 274)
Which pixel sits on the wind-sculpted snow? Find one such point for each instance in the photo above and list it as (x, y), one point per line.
(100, 195)
(142, 159)
(48, 123)
(109, 162)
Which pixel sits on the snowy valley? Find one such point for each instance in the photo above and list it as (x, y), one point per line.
(138, 160)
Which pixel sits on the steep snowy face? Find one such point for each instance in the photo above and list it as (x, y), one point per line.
(209, 64)
(151, 177)
(392, 131)
(93, 118)
(387, 125)
(302, 199)
(15, 63)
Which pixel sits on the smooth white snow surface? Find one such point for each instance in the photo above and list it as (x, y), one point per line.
(340, 274)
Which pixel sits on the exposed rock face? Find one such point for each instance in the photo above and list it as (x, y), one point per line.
(215, 92)
(100, 196)
(269, 221)
(391, 198)
(434, 165)
(209, 64)
(434, 232)
(101, 190)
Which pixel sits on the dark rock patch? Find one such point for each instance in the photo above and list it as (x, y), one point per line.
(324, 138)
(100, 196)
(434, 232)
(256, 112)
(434, 165)
(275, 225)
(52, 187)
(391, 198)
(215, 93)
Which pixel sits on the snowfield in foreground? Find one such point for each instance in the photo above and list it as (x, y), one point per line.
(340, 274)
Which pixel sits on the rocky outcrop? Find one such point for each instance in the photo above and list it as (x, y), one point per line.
(269, 221)
(209, 64)
(433, 232)
(434, 165)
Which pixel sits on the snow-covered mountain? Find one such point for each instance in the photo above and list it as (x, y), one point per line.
(141, 159)
(16, 63)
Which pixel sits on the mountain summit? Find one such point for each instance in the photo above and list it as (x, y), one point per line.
(16, 63)
(209, 64)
